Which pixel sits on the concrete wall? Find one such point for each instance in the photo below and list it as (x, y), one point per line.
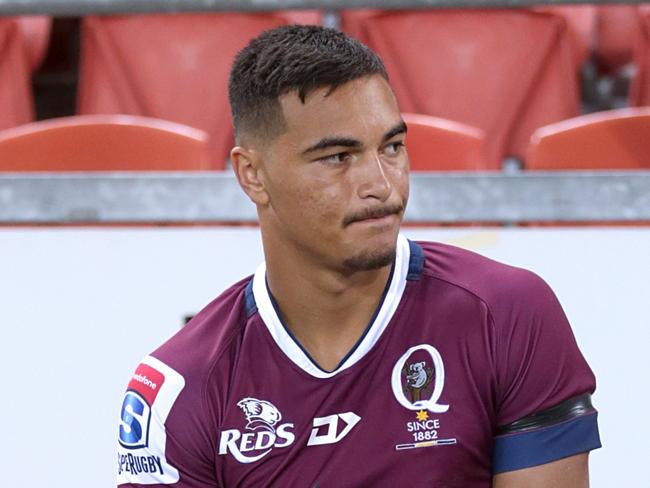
(80, 307)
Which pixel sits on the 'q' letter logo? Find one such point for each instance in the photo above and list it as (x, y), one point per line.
(415, 378)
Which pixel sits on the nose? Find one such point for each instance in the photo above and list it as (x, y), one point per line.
(373, 180)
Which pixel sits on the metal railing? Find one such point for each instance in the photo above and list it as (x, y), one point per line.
(105, 198)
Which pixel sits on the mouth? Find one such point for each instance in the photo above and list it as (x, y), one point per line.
(384, 219)
(375, 216)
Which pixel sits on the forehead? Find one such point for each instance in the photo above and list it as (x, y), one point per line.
(363, 109)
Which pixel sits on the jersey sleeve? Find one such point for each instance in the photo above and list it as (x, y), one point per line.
(544, 383)
(162, 439)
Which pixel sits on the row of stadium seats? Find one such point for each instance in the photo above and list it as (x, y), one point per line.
(617, 139)
(505, 72)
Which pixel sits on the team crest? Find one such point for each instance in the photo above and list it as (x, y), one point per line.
(262, 433)
(418, 379)
(260, 414)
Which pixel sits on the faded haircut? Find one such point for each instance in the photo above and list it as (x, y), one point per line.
(295, 58)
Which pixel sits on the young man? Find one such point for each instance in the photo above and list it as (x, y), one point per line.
(354, 357)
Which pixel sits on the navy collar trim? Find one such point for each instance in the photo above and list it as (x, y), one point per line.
(249, 299)
(416, 263)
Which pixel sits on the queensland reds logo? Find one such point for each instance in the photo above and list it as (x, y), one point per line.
(260, 414)
(418, 379)
(262, 433)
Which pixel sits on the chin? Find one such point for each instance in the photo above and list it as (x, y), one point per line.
(370, 259)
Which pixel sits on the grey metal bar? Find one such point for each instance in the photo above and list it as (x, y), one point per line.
(103, 198)
(543, 196)
(86, 7)
(122, 197)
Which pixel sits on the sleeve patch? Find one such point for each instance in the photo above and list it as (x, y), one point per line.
(149, 397)
(536, 447)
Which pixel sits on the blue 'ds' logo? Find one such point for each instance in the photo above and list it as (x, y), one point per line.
(134, 424)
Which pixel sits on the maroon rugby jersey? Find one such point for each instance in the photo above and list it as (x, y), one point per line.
(468, 368)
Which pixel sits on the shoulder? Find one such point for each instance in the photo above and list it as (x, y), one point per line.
(195, 349)
(198, 356)
(503, 289)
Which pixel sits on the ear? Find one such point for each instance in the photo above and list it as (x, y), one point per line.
(247, 165)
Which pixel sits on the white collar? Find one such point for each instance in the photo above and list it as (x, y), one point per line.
(294, 351)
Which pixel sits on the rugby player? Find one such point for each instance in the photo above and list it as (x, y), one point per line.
(354, 357)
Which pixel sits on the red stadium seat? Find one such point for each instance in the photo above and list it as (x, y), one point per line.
(640, 87)
(103, 143)
(617, 29)
(36, 31)
(436, 144)
(616, 139)
(173, 67)
(505, 71)
(581, 21)
(16, 103)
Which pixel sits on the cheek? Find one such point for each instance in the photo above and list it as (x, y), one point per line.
(312, 203)
(399, 177)
(323, 202)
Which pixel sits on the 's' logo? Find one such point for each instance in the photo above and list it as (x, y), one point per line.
(262, 419)
(134, 425)
(150, 396)
(418, 379)
(136, 408)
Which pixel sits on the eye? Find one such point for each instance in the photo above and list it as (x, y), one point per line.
(338, 158)
(394, 148)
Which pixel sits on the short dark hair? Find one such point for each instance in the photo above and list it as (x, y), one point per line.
(299, 58)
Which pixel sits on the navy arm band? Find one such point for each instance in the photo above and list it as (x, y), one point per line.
(561, 431)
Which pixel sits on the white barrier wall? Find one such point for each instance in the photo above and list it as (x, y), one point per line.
(80, 307)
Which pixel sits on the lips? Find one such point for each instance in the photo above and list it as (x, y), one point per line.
(373, 214)
(377, 218)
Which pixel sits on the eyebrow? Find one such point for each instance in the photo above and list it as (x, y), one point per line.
(326, 142)
(398, 129)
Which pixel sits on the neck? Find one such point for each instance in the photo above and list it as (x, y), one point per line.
(326, 310)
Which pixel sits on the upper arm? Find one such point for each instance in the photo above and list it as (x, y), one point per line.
(571, 472)
(161, 435)
(544, 384)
